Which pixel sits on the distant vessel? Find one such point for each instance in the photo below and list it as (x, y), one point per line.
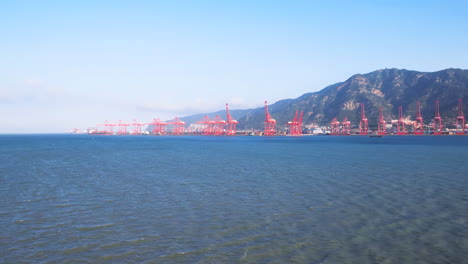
(98, 133)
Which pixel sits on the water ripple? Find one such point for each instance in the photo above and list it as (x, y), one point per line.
(321, 200)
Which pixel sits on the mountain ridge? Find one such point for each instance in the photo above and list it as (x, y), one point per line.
(386, 88)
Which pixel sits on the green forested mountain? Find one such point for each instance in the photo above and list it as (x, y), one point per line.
(387, 88)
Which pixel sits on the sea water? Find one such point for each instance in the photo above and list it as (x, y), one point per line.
(190, 199)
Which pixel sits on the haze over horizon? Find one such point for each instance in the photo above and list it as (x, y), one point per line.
(76, 64)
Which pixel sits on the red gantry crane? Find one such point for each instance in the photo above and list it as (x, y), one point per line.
(335, 126)
(111, 128)
(295, 126)
(231, 123)
(346, 126)
(108, 127)
(299, 123)
(136, 129)
(418, 124)
(177, 126)
(401, 122)
(159, 127)
(291, 124)
(207, 125)
(460, 119)
(122, 128)
(363, 124)
(218, 125)
(381, 129)
(270, 123)
(437, 120)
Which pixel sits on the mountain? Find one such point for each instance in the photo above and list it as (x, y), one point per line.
(386, 88)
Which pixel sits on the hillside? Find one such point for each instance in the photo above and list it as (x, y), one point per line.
(387, 88)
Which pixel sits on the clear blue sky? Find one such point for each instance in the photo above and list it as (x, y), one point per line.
(66, 64)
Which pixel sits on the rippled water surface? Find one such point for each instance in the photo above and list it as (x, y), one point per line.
(322, 199)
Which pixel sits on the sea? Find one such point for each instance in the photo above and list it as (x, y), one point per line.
(243, 199)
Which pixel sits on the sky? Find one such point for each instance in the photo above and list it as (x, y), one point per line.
(75, 64)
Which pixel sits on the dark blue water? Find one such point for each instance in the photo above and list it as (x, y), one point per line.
(123, 199)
